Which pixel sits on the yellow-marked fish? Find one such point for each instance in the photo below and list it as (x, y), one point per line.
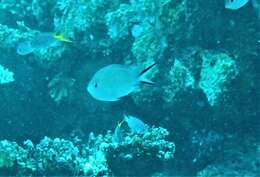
(118, 135)
(41, 41)
(115, 81)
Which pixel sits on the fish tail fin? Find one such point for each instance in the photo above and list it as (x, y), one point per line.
(61, 37)
(143, 75)
(120, 123)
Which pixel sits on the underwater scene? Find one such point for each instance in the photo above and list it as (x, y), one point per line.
(130, 88)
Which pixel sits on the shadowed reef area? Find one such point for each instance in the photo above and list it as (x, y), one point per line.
(201, 115)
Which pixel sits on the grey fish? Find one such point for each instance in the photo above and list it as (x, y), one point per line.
(114, 81)
(42, 40)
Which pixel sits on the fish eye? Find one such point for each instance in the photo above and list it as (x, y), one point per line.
(96, 85)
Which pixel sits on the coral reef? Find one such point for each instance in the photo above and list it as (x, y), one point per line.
(179, 78)
(147, 21)
(8, 154)
(217, 71)
(235, 163)
(142, 18)
(10, 37)
(204, 147)
(149, 151)
(210, 71)
(6, 76)
(60, 87)
(18, 8)
(99, 156)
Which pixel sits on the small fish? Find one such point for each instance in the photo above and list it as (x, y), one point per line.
(235, 4)
(118, 135)
(135, 124)
(114, 81)
(40, 41)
